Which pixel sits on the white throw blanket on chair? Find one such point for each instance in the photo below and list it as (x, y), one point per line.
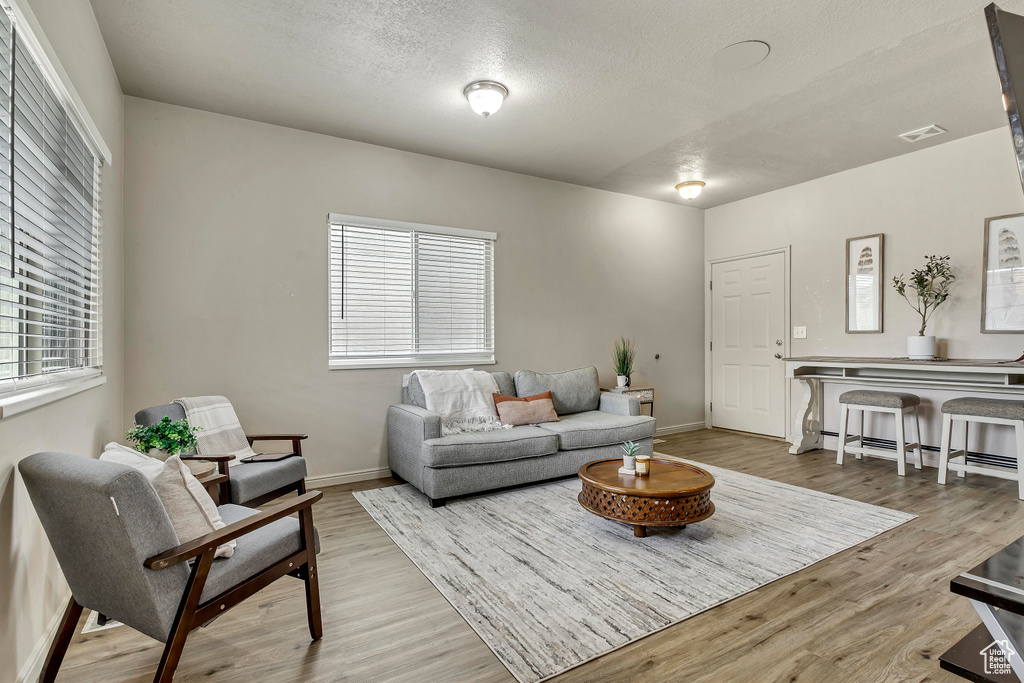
(463, 398)
(220, 432)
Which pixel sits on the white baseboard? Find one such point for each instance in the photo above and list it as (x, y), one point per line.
(347, 477)
(676, 429)
(34, 666)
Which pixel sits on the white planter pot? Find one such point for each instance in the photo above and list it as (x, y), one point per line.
(158, 454)
(921, 348)
(628, 464)
(620, 381)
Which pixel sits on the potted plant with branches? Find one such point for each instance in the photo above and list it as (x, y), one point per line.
(930, 287)
(624, 355)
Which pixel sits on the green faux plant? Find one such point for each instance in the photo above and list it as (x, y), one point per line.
(930, 287)
(166, 435)
(630, 448)
(624, 355)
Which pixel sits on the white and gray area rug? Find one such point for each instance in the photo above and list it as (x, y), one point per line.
(549, 586)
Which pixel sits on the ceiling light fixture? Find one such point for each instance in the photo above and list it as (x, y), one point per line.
(690, 189)
(485, 97)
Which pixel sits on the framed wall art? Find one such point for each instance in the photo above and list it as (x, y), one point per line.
(1002, 286)
(864, 274)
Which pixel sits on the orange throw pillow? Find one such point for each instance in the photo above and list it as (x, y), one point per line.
(525, 411)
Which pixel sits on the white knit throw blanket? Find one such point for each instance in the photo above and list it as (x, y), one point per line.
(463, 398)
(220, 432)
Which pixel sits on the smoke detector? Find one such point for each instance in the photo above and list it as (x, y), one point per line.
(922, 133)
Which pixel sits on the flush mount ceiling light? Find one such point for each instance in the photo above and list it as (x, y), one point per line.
(485, 97)
(690, 189)
(740, 56)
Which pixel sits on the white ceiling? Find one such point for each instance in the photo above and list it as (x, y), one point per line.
(604, 93)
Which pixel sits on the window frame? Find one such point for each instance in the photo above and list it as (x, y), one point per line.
(360, 363)
(18, 395)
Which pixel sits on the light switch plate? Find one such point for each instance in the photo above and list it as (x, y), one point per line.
(799, 333)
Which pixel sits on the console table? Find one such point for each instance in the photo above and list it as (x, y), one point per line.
(966, 374)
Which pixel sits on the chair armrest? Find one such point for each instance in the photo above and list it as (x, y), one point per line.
(209, 542)
(208, 458)
(275, 437)
(619, 404)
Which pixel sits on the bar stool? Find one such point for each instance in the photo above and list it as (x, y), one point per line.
(890, 402)
(986, 411)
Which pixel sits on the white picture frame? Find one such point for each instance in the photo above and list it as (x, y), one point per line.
(865, 275)
(1002, 285)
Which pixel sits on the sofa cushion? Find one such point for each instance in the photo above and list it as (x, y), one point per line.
(412, 392)
(594, 428)
(475, 448)
(572, 391)
(250, 480)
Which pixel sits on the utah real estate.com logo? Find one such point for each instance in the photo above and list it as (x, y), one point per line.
(997, 657)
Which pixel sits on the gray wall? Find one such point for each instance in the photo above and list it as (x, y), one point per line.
(226, 265)
(933, 201)
(32, 588)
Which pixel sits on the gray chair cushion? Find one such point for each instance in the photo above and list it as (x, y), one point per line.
(594, 428)
(475, 448)
(412, 393)
(985, 407)
(879, 399)
(572, 391)
(250, 480)
(255, 551)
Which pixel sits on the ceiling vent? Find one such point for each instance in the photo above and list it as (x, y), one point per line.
(922, 133)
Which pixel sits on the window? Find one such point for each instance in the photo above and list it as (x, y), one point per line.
(409, 294)
(50, 308)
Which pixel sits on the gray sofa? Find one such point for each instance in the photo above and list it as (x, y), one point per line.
(592, 426)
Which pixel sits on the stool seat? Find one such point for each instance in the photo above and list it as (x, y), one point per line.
(985, 407)
(879, 399)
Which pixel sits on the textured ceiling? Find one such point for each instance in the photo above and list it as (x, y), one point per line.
(610, 94)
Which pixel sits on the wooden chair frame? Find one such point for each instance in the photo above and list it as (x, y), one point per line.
(191, 613)
(217, 484)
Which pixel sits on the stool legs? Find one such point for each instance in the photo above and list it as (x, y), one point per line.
(915, 427)
(860, 432)
(967, 433)
(901, 445)
(944, 445)
(844, 417)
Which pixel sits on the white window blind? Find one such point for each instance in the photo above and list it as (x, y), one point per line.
(50, 310)
(409, 294)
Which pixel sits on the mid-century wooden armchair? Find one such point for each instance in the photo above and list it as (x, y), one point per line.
(247, 483)
(120, 554)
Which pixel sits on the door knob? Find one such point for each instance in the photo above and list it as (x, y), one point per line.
(778, 342)
(778, 355)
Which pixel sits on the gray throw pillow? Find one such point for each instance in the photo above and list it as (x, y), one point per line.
(572, 391)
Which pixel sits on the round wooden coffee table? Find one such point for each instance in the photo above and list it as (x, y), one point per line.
(676, 494)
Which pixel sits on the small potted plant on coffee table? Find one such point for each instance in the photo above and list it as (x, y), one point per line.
(629, 452)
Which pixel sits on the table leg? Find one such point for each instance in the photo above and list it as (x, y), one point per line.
(640, 531)
(807, 434)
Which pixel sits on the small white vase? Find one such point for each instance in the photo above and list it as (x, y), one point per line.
(620, 381)
(920, 347)
(628, 464)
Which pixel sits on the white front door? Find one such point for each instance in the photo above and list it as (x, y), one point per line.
(748, 326)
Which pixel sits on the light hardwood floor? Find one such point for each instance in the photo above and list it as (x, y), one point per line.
(881, 611)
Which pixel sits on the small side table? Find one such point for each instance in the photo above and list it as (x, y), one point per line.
(645, 394)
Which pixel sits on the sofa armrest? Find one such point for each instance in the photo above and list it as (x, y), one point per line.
(415, 421)
(408, 427)
(619, 404)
